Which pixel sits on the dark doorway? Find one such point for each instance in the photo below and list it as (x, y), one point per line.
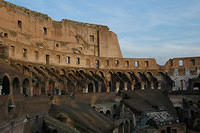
(6, 86)
(47, 59)
(108, 113)
(16, 86)
(26, 87)
(90, 88)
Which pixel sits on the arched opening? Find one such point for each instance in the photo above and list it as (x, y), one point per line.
(101, 112)
(108, 113)
(16, 86)
(196, 86)
(5, 86)
(26, 87)
(90, 87)
(121, 86)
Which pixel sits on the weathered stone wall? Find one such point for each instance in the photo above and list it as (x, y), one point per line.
(181, 70)
(71, 49)
(35, 29)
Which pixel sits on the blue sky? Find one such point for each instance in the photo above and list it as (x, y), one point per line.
(161, 29)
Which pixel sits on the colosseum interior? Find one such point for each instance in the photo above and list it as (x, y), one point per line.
(53, 70)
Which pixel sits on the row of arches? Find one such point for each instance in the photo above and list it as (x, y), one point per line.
(13, 85)
(47, 80)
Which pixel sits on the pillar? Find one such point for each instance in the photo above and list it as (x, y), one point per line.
(86, 88)
(134, 121)
(152, 85)
(31, 88)
(125, 86)
(159, 85)
(117, 86)
(94, 87)
(11, 87)
(108, 87)
(133, 85)
(142, 85)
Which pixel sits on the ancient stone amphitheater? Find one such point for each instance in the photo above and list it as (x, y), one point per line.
(42, 57)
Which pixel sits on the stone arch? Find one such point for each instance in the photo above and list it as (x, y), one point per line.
(153, 81)
(6, 85)
(81, 70)
(42, 67)
(134, 81)
(26, 87)
(91, 73)
(53, 70)
(16, 85)
(100, 73)
(143, 80)
(29, 65)
(62, 71)
(108, 80)
(165, 80)
(19, 65)
(100, 81)
(72, 70)
(120, 80)
(101, 112)
(128, 84)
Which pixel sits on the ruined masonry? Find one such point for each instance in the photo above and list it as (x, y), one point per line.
(43, 57)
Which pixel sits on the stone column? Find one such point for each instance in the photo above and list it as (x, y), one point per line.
(142, 85)
(86, 88)
(11, 88)
(159, 85)
(134, 121)
(133, 85)
(152, 85)
(117, 86)
(108, 89)
(94, 87)
(31, 88)
(125, 86)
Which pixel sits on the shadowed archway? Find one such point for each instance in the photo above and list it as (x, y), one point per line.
(5, 86)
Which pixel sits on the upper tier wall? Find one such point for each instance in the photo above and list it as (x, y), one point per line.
(182, 62)
(37, 35)
(24, 26)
